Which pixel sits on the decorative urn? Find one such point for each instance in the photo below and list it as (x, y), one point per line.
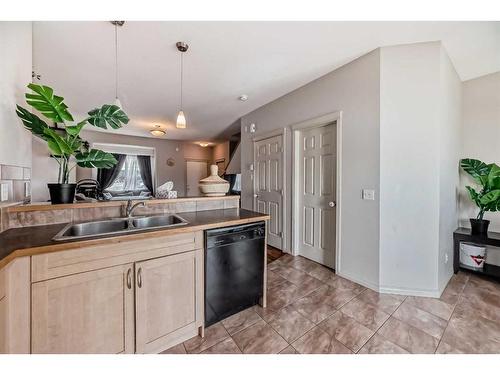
(213, 185)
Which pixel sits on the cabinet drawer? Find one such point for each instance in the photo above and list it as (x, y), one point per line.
(58, 264)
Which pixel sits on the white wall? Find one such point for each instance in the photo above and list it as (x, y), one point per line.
(409, 170)
(450, 140)
(15, 74)
(354, 90)
(419, 153)
(481, 136)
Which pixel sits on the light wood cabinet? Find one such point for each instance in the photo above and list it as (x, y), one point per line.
(169, 298)
(138, 296)
(3, 325)
(15, 307)
(90, 312)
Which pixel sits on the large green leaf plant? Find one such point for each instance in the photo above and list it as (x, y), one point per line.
(64, 142)
(487, 177)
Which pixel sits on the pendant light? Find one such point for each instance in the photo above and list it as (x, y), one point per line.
(116, 24)
(181, 119)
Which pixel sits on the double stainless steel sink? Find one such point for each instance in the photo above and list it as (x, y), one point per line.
(118, 226)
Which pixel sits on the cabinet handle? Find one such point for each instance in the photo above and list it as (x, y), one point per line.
(129, 278)
(139, 278)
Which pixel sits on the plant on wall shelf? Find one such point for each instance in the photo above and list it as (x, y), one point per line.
(487, 197)
(64, 143)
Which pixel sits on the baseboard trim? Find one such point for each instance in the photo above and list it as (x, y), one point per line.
(391, 290)
(411, 292)
(365, 283)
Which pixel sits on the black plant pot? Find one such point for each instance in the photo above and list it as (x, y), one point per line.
(479, 227)
(62, 193)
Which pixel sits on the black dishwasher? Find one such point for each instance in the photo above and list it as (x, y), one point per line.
(234, 269)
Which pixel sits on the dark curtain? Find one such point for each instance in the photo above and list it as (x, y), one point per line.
(145, 169)
(106, 177)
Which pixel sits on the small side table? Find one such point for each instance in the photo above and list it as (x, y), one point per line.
(464, 235)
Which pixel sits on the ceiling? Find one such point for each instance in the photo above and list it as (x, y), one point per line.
(263, 60)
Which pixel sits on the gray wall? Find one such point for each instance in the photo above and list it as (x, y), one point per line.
(164, 149)
(354, 90)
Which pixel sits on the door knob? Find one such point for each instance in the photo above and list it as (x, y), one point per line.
(332, 204)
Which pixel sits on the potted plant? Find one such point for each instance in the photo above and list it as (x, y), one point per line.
(487, 197)
(63, 140)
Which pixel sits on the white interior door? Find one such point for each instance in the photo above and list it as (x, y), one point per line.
(316, 194)
(268, 185)
(195, 171)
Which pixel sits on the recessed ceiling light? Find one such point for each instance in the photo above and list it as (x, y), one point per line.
(157, 132)
(243, 98)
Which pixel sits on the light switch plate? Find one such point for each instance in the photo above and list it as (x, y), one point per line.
(368, 194)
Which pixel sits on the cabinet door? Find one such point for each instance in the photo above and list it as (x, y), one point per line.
(3, 326)
(90, 312)
(169, 298)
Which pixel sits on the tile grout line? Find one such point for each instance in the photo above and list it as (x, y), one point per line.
(451, 316)
(385, 321)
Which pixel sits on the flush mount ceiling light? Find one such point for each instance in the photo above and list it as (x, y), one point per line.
(157, 132)
(181, 119)
(204, 144)
(243, 98)
(117, 24)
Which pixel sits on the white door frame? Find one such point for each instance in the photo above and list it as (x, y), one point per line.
(296, 128)
(260, 137)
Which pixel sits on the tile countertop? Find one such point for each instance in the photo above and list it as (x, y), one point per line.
(18, 242)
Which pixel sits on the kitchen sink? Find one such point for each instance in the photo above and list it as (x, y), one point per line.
(157, 221)
(118, 226)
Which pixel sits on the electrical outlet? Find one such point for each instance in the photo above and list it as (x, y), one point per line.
(446, 258)
(368, 194)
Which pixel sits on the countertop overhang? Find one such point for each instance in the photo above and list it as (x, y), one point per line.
(27, 241)
(44, 206)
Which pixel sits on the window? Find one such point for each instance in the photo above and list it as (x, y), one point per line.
(129, 178)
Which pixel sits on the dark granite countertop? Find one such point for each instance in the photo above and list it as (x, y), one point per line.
(17, 242)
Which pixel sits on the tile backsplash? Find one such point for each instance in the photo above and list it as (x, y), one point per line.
(15, 184)
(31, 215)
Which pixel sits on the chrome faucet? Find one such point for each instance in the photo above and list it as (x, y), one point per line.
(129, 210)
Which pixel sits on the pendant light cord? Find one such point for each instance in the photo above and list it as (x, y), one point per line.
(116, 61)
(182, 73)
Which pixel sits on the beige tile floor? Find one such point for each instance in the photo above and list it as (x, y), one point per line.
(312, 310)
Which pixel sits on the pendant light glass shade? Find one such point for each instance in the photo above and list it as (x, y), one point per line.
(181, 121)
(118, 103)
(117, 100)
